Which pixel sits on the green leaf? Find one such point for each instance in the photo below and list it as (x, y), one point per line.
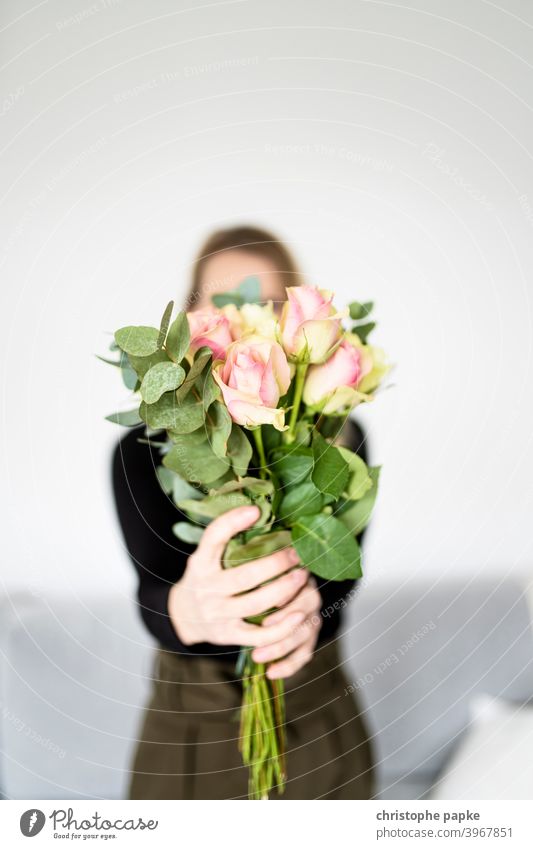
(172, 484)
(139, 341)
(356, 517)
(169, 413)
(363, 330)
(330, 469)
(239, 450)
(129, 376)
(130, 418)
(213, 505)
(194, 461)
(260, 546)
(255, 486)
(165, 478)
(143, 364)
(165, 321)
(115, 363)
(187, 532)
(326, 547)
(201, 358)
(219, 426)
(247, 292)
(161, 378)
(208, 388)
(178, 338)
(359, 481)
(293, 466)
(250, 289)
(360, 310)
(303, 499)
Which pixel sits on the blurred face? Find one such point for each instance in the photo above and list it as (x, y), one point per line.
(223, 272)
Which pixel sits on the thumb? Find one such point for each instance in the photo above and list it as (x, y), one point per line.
(219, 532)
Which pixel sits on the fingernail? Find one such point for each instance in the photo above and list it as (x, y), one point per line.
(299, 575)
(294, 556)
(297, 619)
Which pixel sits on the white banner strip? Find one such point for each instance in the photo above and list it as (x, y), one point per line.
(212, 825)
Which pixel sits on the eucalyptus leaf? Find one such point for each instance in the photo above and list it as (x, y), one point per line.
(143, 364)
(247, 292)
(194, 461)
(360, 310)
(363, 330)
(168, 413)
(208, 388)
(165, 322)
(178, 338)
(239, 450)
(161, 378)
(250, 289)
(128, 373)
(326, 548)
(115, 363)
(129, 418)
(256, 486)
(139, 341)
(219, 424)
(260, 546)
(213, 505)
(330, 470)
(165, 478)
(201, 358)
(187, 532)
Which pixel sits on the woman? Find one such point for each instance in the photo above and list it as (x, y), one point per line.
(188, 743)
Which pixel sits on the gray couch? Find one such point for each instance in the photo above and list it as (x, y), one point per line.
(74, 677)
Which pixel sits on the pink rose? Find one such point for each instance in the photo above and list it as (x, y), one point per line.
(253, 377)
(310, 325)
(332, 386)
(210, 328)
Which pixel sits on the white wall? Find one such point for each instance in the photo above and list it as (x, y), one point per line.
(389, 146)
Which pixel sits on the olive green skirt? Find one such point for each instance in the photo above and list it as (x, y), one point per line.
(188, 743)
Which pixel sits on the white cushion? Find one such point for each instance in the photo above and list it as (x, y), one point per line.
(493, 759)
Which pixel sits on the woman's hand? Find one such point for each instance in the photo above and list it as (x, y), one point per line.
(206, 604)
(296, 648)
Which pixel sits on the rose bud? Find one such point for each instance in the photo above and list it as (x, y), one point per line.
(211, 328)
(310, 326)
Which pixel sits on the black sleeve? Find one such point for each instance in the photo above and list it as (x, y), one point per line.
(335, 594)
(146, 515)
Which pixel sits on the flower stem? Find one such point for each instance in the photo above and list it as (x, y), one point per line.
(258, 437)
(301, 370)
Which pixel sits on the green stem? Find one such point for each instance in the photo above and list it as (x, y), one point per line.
(301, 370)
(258, 437)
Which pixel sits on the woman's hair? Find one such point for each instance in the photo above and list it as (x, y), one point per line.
(253, 240)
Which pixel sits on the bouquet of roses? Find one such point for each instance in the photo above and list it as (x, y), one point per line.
(248, 408)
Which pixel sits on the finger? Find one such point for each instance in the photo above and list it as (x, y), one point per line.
(308, 600)
(291, 664)
(219, 532)
(274, 651)
(240, 579)
(246, 634)
(274, 594)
